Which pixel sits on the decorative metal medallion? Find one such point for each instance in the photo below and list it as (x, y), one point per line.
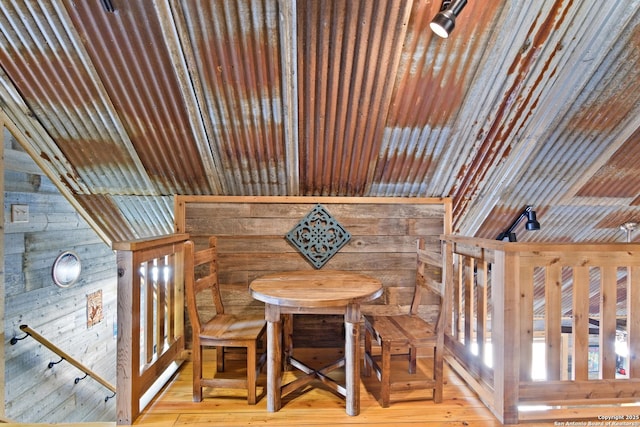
(318, 236)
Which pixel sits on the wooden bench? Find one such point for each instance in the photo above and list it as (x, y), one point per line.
(251, 243)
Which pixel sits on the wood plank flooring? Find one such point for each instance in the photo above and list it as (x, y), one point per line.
(314, 405)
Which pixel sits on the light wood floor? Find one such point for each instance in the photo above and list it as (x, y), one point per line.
(314, 406)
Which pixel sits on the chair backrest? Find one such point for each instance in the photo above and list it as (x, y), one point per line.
(429, 279)
(201, 276)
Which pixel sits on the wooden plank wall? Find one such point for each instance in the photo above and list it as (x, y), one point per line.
(4, 135)
(251, 243)
(60, 315)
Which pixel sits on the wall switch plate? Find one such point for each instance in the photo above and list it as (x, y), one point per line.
(19, 213)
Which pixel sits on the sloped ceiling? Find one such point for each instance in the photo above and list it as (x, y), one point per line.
(527, 103)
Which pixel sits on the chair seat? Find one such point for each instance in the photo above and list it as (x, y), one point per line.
(401, 330)
(233, 327)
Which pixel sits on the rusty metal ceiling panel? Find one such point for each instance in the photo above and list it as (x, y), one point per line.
(549, 159)
(618, 177)
(526, 103)
(129, 218)
(347, 57)
(422, 152)
(40, 55)
(236, 61)
(133, 63)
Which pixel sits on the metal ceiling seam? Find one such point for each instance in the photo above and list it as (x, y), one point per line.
(25, 141)
(259, 112)
(477, 105)
(511, 168)
(47, 154)
(212, 106)
(57, 39)
(141, 179)
(150, 114)
(176, 38)
(398, 39)
(288, 60)
(514, 102)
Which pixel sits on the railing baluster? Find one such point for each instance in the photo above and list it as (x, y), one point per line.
(150, 285)
(553, 320)
(161, 304)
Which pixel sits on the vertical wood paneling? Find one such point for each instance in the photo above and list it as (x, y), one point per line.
(2, 282)
(128, 362)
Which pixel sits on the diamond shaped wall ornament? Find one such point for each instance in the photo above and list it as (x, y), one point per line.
(318, 236)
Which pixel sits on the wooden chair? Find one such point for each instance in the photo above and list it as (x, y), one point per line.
(221, 330)
(403, 335)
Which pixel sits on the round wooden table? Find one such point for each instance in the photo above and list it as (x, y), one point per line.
(314, 292)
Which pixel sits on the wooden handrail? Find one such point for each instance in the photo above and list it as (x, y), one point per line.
(45, 342)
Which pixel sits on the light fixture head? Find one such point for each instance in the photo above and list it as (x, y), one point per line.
(532, 223)
(443, 24)
(629, 227)
(445, 21)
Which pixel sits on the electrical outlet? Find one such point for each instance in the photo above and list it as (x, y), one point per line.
(19, 213)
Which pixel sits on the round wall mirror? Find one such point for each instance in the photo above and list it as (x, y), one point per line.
(66, 269)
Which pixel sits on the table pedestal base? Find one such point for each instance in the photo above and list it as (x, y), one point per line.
(350, 391)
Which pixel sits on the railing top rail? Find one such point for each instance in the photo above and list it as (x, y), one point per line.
(540, 246)
(148, 243)
(310, 199)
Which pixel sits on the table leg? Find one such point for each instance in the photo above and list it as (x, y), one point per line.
(287, 339)
(352, 358)
(274, 363)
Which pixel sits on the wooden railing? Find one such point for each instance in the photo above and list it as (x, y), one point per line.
(150, 319)
(537, 326)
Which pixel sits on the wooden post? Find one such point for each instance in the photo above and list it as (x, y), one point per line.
(506, 336)
(128, 348)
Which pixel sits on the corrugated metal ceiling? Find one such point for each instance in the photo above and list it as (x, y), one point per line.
(528, 102)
